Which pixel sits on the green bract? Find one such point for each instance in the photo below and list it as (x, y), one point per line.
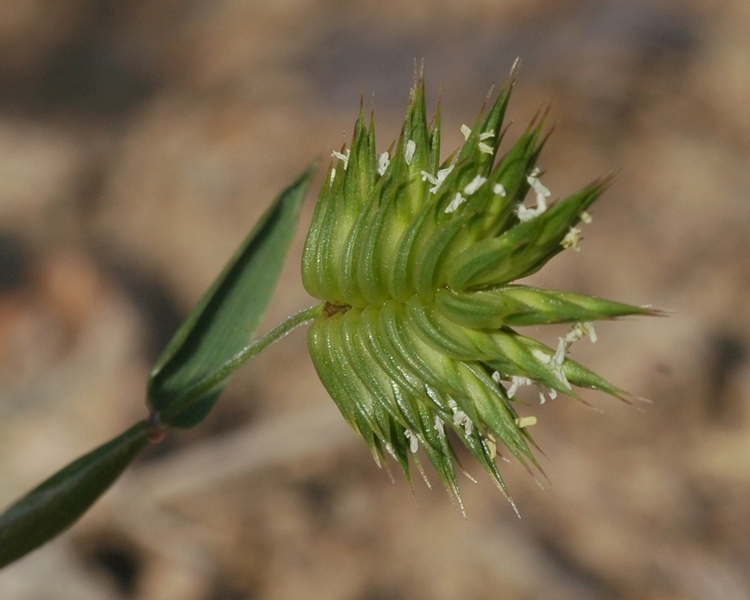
(414, 259)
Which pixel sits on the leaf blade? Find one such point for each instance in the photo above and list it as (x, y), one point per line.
(55, 504)
(226, 317)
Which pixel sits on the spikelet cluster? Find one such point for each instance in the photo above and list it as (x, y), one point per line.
(414, 259)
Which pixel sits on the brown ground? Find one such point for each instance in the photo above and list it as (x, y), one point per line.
(139, 141)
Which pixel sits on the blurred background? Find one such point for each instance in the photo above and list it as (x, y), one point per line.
(140, 141)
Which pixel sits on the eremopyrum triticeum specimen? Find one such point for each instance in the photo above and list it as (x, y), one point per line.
(414, 259)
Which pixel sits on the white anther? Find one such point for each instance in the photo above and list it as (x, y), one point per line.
(455, 203)
(442, 174)
(537, 186)
(499, 189)
(466, 130)
(542, 397)
(496, 377)
(560, 372)
(580, 331)
(552, 393)
(554, 362)
(487, 135)
(558, 358)
(541, 356)
(524, 214)
(383, 162)
(486, 148)
(525, 422)
(431, 178)
(413, 441)
(515, 383)
(542, 193)
(576, 333)
(333, 174)
(344, 158)
(474, 185)
(586, 217)
(491, 445)
(439, 427)
(460, 419)
(411, 147)
(572, 239)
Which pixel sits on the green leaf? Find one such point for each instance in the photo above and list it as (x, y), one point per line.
(189, 375)
(57, 503)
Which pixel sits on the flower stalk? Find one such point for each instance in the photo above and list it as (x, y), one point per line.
(257, 346)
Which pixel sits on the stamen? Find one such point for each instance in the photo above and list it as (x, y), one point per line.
(524, 214)
(554, 362)
(413, 441)
(439, 427)
(442, 174)
(540, 390)
(460, 418)
(428, 177)
(491, 443)
(499, 189)
(572, 239)
(579, 331)
(515, 383)
(474, 185)
(344, 158)
(411, 147)
(525, 422)
(383, 162)
(537, 186)
(541, 356)
(542, 193)
(486, 148)
(576, 333)
(455, 203)
(466, 130)
(562, 347)
(487, 135)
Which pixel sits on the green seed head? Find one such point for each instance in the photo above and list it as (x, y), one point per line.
(414, 258)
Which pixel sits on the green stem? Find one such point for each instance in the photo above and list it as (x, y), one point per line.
(256, 347)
